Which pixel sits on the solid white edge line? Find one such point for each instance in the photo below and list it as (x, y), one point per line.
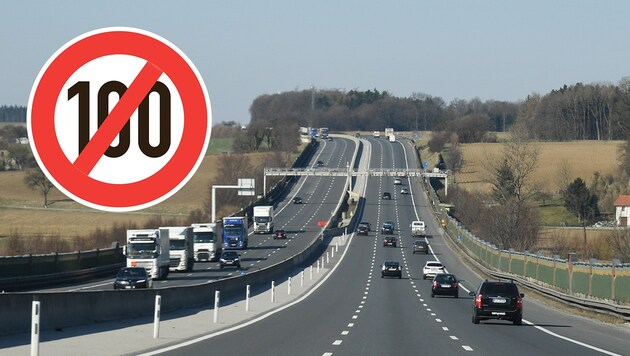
(549, 332)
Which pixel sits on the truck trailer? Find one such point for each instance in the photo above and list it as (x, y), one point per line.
(263, 219)
(208, 243)
(182, 247)
(148, 248)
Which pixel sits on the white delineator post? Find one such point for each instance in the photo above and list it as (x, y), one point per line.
(247, 298)
(217, 295)
(302, 278)
(311, 272)
(35, 328)
(289, 286)
(156, 316)
(273, 290)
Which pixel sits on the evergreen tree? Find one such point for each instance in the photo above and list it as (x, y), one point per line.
(579, 200)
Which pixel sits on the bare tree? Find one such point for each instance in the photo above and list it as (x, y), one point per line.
(36, 179)
(619, 240)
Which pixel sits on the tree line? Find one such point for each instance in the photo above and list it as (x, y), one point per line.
(575, 112)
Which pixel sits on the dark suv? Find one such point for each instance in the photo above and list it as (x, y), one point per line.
(363, 229)
(497, 300)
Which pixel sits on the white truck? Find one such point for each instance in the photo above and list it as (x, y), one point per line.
(417, 228)
(263, 219)
(181, 245)
(392, 138)
(208, 242)
(148, 248)
(389, 132)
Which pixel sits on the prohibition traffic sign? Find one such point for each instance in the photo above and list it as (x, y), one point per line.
(119, 119)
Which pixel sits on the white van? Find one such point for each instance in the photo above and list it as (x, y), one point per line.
(417, 228)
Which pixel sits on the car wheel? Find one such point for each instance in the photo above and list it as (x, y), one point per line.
(221, 266)
(432, 295)
(399, 276)
(456, 295)
(424, 276)
(518, 321)
(475, 318)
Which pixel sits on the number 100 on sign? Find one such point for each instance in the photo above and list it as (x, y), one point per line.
(148, 139)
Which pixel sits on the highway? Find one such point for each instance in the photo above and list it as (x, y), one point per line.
(320, 198)
(356, 312)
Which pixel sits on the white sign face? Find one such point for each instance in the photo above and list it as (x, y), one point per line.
(119, 119)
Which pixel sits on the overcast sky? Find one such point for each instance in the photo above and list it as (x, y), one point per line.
(502, 50)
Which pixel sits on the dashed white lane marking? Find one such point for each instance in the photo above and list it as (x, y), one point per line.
(350, 325)
(337, 342)
(355, 316)
(467, 348)
(357, 311)
(345, 332)
(444, 328)
(438, 320)
(327, 354)
(454, 337)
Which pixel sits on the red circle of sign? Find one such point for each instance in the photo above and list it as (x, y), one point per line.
(77, 183)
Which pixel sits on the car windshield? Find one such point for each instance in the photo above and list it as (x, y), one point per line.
(132, 272)
(420, 243)
(499, 289)
(229, 255)
(434, 264)
(391, 264)
(177, 244)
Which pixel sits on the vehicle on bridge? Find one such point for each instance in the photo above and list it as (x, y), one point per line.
(235, 233)
(207, 241)
(263, 219)
(376, 134)
(181, 247)
(149, 249)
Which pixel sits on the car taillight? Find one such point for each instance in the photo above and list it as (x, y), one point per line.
(455, 285)
(435, 284)
(478, 301)
(519, 302)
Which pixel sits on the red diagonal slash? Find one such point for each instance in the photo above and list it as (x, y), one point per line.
(117, 118)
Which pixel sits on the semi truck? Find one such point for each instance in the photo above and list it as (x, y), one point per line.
(263, 219)
(182, 247)
(235, 233)
(208, 243)
(389, 132)
(148, 248)
(323, 132)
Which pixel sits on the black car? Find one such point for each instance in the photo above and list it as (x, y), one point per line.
(229, 258)
(279, 234)
(387, 195)
(132, 278)
(497, 300)
(362, 229)
(297, 200)
(391, 269)
(445, 284)
(319, 164)
(389, 241)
